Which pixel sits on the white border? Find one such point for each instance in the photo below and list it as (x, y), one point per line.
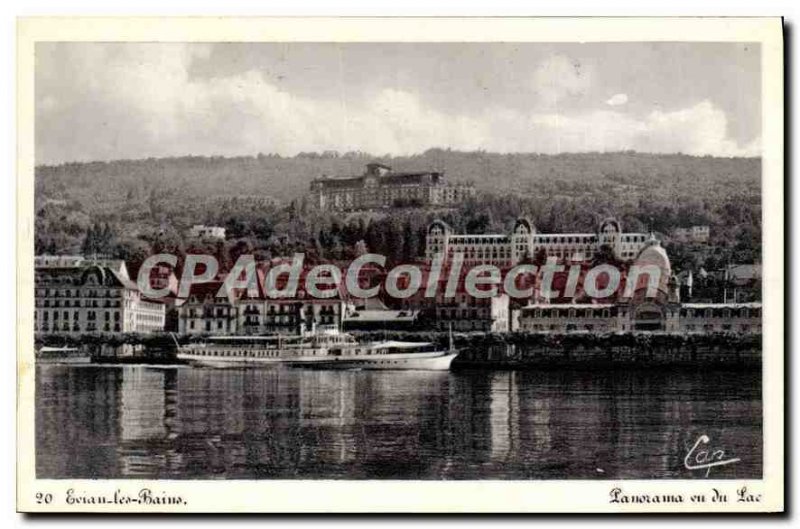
(416, 496)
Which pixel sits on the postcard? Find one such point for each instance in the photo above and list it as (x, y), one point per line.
(404, 265)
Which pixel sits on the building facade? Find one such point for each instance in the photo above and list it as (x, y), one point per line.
(383, 320)
(524, 242)
(207, 310)
(720, 317)
(689, 318)
(562, 318)
(200, 231)
(290, 316)
(77, 295)
(210, 310)
(465, 313)
(380, 187)
(697, 234)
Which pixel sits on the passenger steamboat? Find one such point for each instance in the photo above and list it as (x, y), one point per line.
(61, 355)
(323, 348)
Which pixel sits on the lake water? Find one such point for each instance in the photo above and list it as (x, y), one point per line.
(263, 423)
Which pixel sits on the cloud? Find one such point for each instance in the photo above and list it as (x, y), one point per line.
(559, 78)
(698, 130)
(144, 102)
(617, 100)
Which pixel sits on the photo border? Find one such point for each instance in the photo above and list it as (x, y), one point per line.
(306, 496)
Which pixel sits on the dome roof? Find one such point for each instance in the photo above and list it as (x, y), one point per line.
(651, 255)
(655, 254)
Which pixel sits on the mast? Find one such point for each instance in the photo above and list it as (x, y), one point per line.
(450, 336)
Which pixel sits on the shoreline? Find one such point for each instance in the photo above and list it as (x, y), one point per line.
(493, 350)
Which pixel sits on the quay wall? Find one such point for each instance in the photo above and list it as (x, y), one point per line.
(538, 350)
(492, 350)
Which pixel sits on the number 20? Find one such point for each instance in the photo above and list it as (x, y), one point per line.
(44, 498)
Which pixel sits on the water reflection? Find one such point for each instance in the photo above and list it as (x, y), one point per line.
(282, 423)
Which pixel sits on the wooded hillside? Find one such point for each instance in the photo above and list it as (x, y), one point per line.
(128, 208)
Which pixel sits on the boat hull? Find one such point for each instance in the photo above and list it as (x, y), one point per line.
(62, 355)
(85, 359)
(433, 361)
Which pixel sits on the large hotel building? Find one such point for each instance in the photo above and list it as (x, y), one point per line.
(380, 187)
(505, 250)
(664, 312)
(75, 295)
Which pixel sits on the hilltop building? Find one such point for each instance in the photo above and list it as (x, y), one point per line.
(697, 234)
(201, 231)
(380, 187)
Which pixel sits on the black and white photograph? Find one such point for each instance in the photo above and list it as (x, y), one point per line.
(388, 261)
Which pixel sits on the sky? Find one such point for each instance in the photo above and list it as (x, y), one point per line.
(106, 101)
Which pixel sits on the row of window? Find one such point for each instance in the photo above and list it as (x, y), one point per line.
(537, 327)
(724, 327)
(65, 315)
(467, 325)
(78, 293)
(721, 313)
(76, 327)
(221, 325)
(76, 303)
(570, 313)
(291, 309)
(151, 318)
(564, 239)
(463, 313)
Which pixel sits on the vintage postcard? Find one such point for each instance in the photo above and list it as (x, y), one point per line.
(400, 265)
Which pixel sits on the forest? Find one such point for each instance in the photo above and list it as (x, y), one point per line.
(133, 208)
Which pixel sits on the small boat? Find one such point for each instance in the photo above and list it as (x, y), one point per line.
(326, 348)
(62, 355)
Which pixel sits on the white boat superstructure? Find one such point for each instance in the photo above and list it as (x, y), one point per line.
(323, 349)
